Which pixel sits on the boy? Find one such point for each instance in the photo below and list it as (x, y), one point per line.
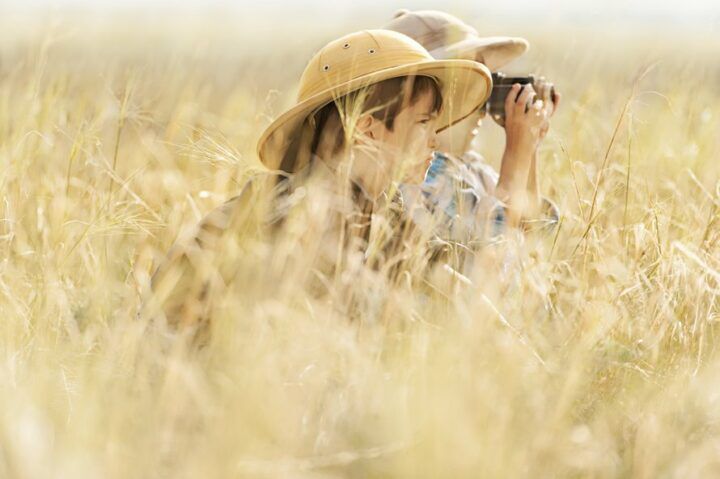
(455, 165)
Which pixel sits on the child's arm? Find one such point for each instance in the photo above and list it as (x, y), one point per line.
(182, 284)
(545, 215)
(525, 128)
(538, 202)
(533, 186)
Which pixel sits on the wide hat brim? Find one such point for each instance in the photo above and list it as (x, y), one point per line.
(465, 86)
(493, 52)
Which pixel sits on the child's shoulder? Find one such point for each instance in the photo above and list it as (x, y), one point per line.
(476, 162)
(238, 208)
(471, 168)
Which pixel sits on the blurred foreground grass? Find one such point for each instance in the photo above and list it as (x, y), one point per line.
(601, 362)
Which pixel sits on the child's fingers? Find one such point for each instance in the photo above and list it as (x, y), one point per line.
(524, 98)
(548, 108)
(547, 90)
(539, 111)
(556, 100)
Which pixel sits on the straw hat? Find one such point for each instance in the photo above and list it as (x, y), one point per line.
(367, 57)
(446, 36)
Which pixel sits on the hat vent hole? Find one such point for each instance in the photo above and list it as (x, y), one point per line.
(326, 67)
(347, 45)
(371, 51)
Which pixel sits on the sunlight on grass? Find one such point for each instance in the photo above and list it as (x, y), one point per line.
(594, 357)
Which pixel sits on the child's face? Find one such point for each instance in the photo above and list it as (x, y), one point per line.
(407, 148)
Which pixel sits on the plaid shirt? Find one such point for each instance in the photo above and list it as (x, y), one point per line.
(459, 195)
(456, 202)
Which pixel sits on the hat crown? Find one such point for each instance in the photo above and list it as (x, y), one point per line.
(357, 55)
(432, 29)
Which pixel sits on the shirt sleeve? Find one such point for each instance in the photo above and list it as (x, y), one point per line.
(458, 205)
(549, 212)
(193, 267)
(546, 223)
(548, 220)
(487, 175)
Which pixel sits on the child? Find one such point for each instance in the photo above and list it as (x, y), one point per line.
(368, 109)
(455, 164)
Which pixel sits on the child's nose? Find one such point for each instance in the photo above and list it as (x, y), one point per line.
(433, 141)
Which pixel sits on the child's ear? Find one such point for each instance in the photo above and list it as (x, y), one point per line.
(366, 125)
(371, 127)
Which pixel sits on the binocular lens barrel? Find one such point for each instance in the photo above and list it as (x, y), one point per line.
(495, 105)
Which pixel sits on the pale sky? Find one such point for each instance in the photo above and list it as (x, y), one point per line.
(679, 8)
(703, 14)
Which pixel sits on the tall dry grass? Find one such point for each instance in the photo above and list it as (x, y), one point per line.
(598, 359)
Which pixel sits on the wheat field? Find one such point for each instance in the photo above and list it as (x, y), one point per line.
(599, 360)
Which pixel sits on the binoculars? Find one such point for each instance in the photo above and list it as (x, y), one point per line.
(495, 105)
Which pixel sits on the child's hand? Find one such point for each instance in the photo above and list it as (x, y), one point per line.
(526, 121)
(555, 104)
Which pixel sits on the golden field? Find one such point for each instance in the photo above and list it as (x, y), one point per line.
(600, 360)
